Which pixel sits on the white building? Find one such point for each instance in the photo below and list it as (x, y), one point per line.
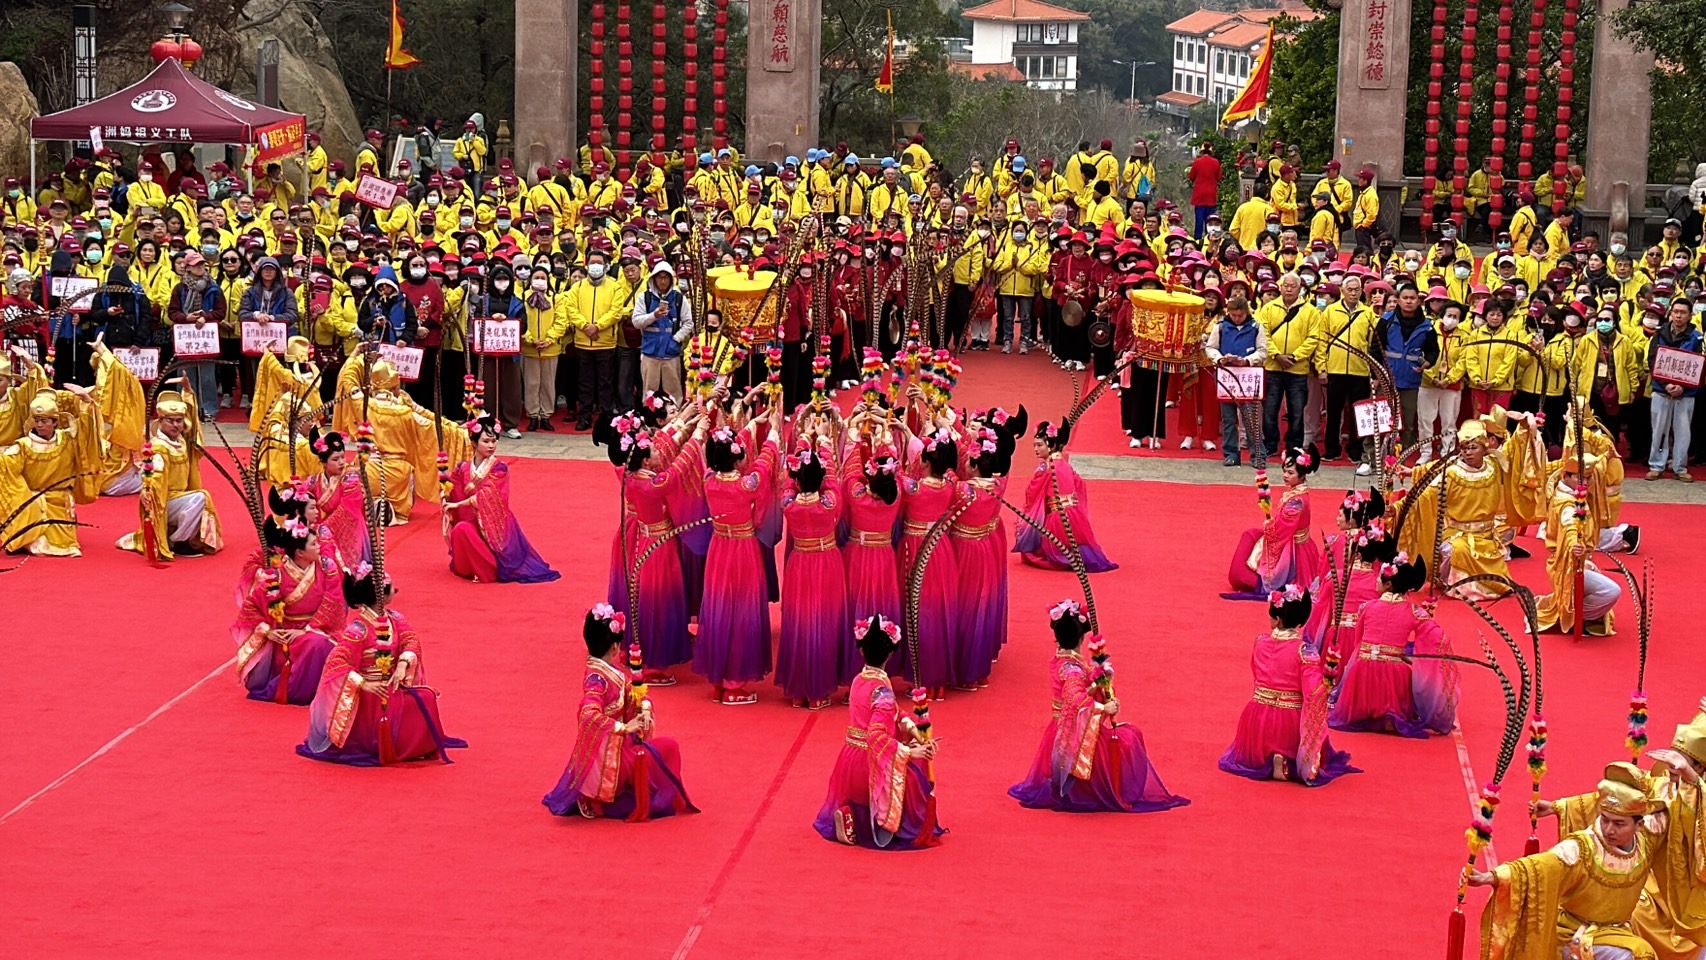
(1039, 40)
(1213, 54)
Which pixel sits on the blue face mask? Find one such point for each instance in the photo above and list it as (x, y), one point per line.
(1273, 228)
(1603, 326)
(210, 249)
(92, 255)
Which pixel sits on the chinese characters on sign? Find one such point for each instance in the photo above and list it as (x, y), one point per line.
(779, 28)
(139, 134)
(1376, 45)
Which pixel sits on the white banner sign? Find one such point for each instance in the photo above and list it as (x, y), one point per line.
(188, 342)
(259, 338)
(1243, 384)
(144, 362)
(407, 360)
(497, 336)
(1681, 367)
(71, 288)
(1373, 416)
(377, 193)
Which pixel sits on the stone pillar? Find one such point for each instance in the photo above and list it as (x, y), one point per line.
(1620, 109)
(1374, 75)
(782, 78)
(546, 51)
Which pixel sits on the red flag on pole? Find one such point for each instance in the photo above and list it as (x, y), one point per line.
(397, 57)
(1254, 96)
(885, 78)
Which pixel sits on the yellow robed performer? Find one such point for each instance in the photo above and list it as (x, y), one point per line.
(403, 434)
(1492, 487)
(1672, 915)
(1581, 894)
(1571, 535)
(284, 388)
(124, 421)
(15, 399)
(177, 514)
(61, 455)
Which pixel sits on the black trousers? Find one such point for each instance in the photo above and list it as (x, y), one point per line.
(1142, 410)
(796, 373)
(959, 313)
(627, 378)
(597, 375)
(422, 389)
(1343, 389)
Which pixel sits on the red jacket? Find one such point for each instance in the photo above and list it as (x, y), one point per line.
(428, 300)
(1204, 176)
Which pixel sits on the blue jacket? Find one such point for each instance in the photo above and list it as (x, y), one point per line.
(388, 321)
(278, 302)
(658, 340)
(1237, 340)
(1405, 356)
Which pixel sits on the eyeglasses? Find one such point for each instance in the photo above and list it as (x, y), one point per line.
(229, 260)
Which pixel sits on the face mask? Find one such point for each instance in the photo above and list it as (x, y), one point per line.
(716, 236)
(1618, 249)
(503, 224)
(31, 244)
(209, 249)
(1308, 279)
(106, 223)
(501, 286)
(1700, 308)
(1462, 273)
(1412, 265)
(1448, 235)
(540, 283)
(1448, 324)
(1018, 236)
(93, 256)
(1681, 263)
(13, 193)
(682, 228)
(1522, 293)
(1320, 303)
(1213, 230)
(523, 272)
(417, 274)
(452, 276)
(146, 178)
(245, 215)
(897, 251)
(595, 271)
(1649, 324)
(465, 222)
(1273, 228)
(432, 199)
(1105, 257)
(983, 233)
(1603, 326)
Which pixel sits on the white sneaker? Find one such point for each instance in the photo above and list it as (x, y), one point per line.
(512, 434)
(1208, 445)
(225, 401)
(1364, 469)
(1186, 444)
(245, 403)
(1023, 349)
(1008, 348)
(1135, 444)
(1171, 404)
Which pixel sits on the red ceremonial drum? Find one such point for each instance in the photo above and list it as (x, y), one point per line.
(1168, 327)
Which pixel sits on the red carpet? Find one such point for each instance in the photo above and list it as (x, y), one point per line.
(202, 834)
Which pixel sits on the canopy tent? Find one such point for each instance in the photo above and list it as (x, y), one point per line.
(173, 105)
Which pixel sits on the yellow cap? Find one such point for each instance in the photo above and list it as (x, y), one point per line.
(1472, 431)
(1623, 792)
(384, 375)
(298, 350)
(1690, 741)
(171, 403)
(45, 403)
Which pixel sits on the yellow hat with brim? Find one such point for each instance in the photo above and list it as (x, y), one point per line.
(1623, 792)
(298, 350)
(171, 403)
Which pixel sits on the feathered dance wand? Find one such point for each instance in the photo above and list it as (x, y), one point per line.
(1642, 592)
(1535, 692)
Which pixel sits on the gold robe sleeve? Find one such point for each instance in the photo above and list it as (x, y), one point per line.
(1672, 913)
(268, 376)
(1520, 921)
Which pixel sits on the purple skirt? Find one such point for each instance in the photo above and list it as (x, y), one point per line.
(734, 616)
(816, 630)
(1121, 778)
(308, 654)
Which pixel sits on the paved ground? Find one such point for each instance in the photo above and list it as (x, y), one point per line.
(578, 446)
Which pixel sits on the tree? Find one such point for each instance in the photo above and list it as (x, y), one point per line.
(1131, 30)
(1304, 82)
(1672, 32)
(855, 36)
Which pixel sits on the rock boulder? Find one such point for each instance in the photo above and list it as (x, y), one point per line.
(308, 78)
(17, 108)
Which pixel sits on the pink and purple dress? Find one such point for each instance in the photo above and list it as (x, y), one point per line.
(927, 500)
(616, 774)
(873, 573)
(816, 627)
(980, 550)
(1280, 552)
(1321, 630)
(662, 618)
(1380, 691)
(878, 797)
(1044, 506)
(343, 511)
(1086, 761)
(349, 724)
(486, 542)
(733, 647)
(1286, 717)
(287, 671)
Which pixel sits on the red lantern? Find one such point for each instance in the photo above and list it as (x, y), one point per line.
(165, 49)
(190, 52)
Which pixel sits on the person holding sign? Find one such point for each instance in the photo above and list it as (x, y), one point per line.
(197, 301)
(1673, 393)
(268, 299)
(49, 468)
(177, 515)
(1237, 341)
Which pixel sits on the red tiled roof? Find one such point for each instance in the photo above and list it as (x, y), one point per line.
(1180, 99)
(1240, 36)
(1200, 22)
(987, 71)
(1017, 10)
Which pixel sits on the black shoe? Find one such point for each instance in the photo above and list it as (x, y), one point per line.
(1632, 537)
(546, 425)
(583, 424)
(532, 424)
(1229, 463)
(1518, 553)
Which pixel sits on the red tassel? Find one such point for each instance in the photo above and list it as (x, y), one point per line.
(1454, 935)
(642, 786)
(1532, 847)
(282, 693)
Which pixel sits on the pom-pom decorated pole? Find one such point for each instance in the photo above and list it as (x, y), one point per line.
(1642, 593)
(773, 366)
(1264, 494)
(820, 378)
(1101, 666)
(871, 368)
(444, 485)
(1636, 741)
(636, 674)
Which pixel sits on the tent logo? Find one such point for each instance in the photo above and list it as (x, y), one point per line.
(153, 101)
(234, 100)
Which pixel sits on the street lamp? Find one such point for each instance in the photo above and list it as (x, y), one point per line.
(177, 18)
(1134, 64)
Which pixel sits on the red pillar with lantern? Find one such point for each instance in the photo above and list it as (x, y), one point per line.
(1436, 85)
(624, 91)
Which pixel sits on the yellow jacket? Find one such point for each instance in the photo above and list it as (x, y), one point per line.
(1478, 192)
(1293, 331)
(1249, 221)
(1338, 189)
(1341, 325)
(599, 304)
(1019, 268)
(470, 152)
(1447, 371)
(969, 269)
(1283, 196)
(1490, 357)
(1132, 177)
(1324, 226)
(549, 323)
(1367, 212)
(1523, 223)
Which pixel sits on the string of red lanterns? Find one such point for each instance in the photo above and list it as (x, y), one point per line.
(690, 85)
(595, 102)
(1501, 125)
(1465, 98)
(1530, 95)
(1566, 94)
(659, 47)
(1430, 146)
(624, 91)
(719, 76)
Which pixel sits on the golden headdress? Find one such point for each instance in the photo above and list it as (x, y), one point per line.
(46, 404)
(1623, 792)
(1472, 431)
(1690, 741)
(1569, 464)
(384, 376)
(298, 350)
(171, 403)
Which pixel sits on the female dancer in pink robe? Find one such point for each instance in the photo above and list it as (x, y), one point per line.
(1087, 761)
(1382, 691)
(810, 654)
(1365, 547)
(337, 493)
(1282, 551)
(980, 552)
(373, 706)
(1056, 487)
(873, 498)
(620, 769)
(881, 794)
(929, 499)
(651, 465)
(1282, 734)
(733, 647)
(280, 660)
(485, 540)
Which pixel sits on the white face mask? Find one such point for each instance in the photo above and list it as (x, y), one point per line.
(1618, 249)
(417, 274)
(1018, 236)
(1462, 273)
(539, 283)
(595, 271)
(983, 233)
(432, 199)
(146, 178)
(501, 286)
(465, 222)
(1448, 324)
(1412, 265)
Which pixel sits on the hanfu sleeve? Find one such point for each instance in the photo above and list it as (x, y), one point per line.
(887, 761)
